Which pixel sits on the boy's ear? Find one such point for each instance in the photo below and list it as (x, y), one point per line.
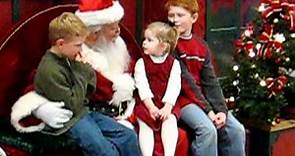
(195, 17)
(59, 42)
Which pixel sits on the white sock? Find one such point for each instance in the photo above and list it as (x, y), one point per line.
(146, 139)
(169, 135)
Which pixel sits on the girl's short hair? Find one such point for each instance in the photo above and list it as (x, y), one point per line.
(67, 26)
(165, 34)
(190, 5)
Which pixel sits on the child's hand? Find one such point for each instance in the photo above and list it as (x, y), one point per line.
(83, 59)
(212, 116)
(220, 120)
(165, 111)
(154, 112)
(80, 58)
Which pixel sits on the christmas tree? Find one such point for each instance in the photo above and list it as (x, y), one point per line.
(262, 80)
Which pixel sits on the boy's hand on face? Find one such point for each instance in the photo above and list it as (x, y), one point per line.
(165, 111)
(80, 58)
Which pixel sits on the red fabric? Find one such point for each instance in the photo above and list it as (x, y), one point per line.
(12, 151)
(104, 90)
(188, 96)
(193, 54)
(183, 144)
(29, 121)
(284, 144)
(94, 5)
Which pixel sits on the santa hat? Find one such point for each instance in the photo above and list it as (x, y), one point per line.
(98, 12)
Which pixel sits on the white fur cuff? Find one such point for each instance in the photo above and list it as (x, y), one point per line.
(24, 107)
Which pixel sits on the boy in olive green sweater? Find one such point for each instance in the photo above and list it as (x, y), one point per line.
(61, 77)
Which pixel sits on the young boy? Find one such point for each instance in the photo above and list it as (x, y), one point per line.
(212, 120)
(60, 77)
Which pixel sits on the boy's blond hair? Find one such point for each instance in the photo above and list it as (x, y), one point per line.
(165, 34)
(190, 5)
(66, 26)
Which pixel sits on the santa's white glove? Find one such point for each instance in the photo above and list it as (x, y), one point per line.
(53, 114)
(123, 85)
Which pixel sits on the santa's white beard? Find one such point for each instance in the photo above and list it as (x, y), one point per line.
(116, 56)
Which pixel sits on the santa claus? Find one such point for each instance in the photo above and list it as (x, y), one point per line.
(107, 53)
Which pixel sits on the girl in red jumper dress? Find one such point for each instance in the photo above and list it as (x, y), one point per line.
(158, 80)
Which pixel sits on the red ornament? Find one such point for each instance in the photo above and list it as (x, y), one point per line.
(276, 85)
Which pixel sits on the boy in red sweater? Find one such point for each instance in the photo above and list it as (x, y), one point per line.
(211, 121)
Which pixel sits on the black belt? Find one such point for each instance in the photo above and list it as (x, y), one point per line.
(109, 109)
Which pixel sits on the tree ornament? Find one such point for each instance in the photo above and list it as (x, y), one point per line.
(256, 76)
(236, 82)
(235, 68)
(251, 54)
(262, 83)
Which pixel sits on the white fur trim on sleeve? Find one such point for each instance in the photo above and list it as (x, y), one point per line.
(24, 107)
(124, 82)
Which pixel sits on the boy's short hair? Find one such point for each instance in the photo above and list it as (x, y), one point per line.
(67, 26)
(190, 5)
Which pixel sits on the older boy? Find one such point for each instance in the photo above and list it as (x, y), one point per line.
(60, 77)
(212, 119)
